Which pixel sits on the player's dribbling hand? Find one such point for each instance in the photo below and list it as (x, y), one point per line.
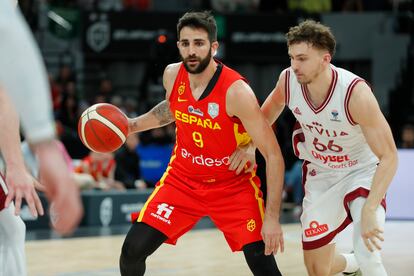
(370, 231)
(241, 156)
(272, 236)
(22, 185)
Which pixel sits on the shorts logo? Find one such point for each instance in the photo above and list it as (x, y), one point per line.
(315, 229)
(251, 225)
(164, 212)
(312, 172)
(297, 111)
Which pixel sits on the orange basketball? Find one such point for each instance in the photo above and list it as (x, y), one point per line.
(103, 128)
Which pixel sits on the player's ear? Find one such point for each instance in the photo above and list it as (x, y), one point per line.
(214, 48)
(327, 58)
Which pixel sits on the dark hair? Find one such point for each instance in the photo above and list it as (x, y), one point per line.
(204, 20)
(315, 33)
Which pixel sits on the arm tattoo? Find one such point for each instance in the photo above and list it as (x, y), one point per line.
(163, 113)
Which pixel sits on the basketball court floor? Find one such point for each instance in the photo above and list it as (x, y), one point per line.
(203, 251)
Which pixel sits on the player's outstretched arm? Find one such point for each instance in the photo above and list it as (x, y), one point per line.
(160, 115)
(19, 182)
(242, 103)
(366, 112)
(275, 102)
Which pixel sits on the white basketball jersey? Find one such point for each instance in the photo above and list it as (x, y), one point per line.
(326, 135)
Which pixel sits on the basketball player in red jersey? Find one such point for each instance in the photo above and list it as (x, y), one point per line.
(215, 111)
(348, 150)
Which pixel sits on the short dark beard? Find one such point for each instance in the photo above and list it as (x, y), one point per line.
(201, 67)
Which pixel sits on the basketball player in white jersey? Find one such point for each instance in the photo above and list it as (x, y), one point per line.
(22, 76)
(348, 150)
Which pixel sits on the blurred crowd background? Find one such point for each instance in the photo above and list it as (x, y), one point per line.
(115, 51)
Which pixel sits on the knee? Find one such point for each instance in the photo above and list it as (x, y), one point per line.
(259, 263)
(317, 268)
(131, 252)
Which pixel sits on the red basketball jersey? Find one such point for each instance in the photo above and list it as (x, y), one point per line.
(205, 136)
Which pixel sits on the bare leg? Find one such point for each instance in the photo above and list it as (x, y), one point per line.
(319, 261)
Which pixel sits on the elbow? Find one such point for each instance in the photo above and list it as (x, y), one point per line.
(390, 159)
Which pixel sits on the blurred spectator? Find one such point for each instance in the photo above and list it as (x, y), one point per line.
(101, 166)
(99, 99)
(158, 136)
(140, 5)
(361, 5)
(226, 6)
(347, 5)
(108, 5)
(293, 186)
(65, 75)
(105, 91)
(131, 107)
(118, 102)
(273, 6)
(310, 6)
(407, 137)
(56, 94)
(69, 112)
(127, 159)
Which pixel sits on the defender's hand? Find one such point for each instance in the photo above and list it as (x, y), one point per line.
(371, 233)
(22, 185)
(241, 156)
(272, 236)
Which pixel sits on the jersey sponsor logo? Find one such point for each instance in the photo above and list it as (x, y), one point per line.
(204, 160)
(316, 229)
(164, 212)
(251, 225)
(317, 128)
(335, 115)
(213, 110)
(330, 157)
(335, 161)
(191, 119)
(348, 164)
(195, 111)
(297, 111)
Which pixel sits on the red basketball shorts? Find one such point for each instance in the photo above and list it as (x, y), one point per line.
(178, 203)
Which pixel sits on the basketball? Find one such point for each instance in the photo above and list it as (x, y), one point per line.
(103, 128)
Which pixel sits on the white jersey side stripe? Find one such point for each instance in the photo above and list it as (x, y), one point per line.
(287, 89)
(348, 97)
